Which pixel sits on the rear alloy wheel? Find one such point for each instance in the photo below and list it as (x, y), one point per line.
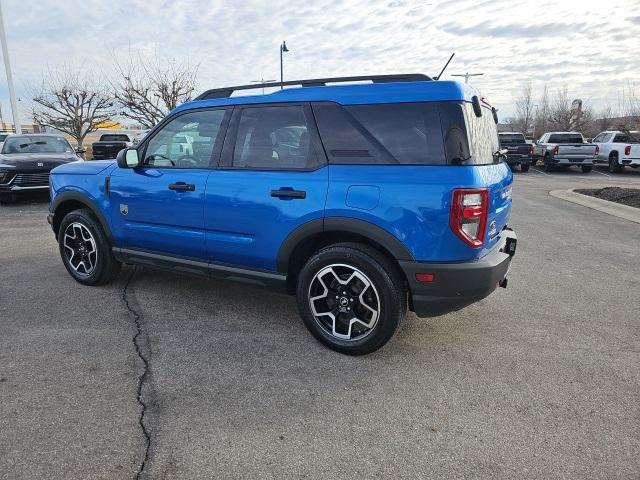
(614, 166)
(85, 249)
(351, 298)
(586, 168)
(547, 164)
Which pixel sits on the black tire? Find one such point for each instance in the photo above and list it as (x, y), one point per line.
(587, 168)
(386, 294)
(533, 162)
(104, 266)
(548, 167)
(524, 167)
(614, 166)
(6, 198)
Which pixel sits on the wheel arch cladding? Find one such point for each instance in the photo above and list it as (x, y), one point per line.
(70, 201)
(312, 236)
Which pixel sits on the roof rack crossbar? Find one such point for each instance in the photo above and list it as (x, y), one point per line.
(316, 82)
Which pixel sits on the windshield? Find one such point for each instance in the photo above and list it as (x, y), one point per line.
(566, 138)
(511, 138)
(36, 144)
(114, 137)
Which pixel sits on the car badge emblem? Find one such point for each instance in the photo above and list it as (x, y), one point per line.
(492, 229)
(124, 209)
(40, 164)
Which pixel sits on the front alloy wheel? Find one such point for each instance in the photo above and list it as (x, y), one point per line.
(85, 249)
(80, 249)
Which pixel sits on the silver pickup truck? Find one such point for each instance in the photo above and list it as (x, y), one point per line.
(565, 149)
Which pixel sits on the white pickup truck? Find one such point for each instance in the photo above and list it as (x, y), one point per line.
(565, 149)
(618, 149)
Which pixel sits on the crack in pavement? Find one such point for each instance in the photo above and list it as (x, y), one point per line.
(138, 338)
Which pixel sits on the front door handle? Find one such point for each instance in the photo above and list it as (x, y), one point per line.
(288, 194)
(182, 187)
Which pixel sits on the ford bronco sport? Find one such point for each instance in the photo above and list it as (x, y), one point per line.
(362, 199)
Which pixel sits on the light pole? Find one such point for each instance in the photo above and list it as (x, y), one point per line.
(263, 81)
(7, 66)
(283, 49)
(466, 75)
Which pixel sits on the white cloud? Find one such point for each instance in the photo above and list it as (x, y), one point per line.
(587, 45)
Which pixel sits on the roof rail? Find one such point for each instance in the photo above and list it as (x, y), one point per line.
(316, 82)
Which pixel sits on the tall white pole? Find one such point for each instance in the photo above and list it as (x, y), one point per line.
(7, 66)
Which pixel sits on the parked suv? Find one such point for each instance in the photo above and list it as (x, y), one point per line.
(362, 199)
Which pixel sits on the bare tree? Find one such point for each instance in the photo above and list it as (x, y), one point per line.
(524, 110)
(147, 90)
(569, 115)
(542, 113)
(73, 102)
(605, 120)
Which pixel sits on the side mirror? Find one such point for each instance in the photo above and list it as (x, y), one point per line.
(128, 158)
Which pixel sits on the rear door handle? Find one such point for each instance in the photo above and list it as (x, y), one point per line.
(288, 194)
(182, 187)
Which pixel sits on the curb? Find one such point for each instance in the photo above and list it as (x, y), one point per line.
(616, 209)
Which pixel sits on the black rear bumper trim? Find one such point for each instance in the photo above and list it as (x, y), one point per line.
(457, 285)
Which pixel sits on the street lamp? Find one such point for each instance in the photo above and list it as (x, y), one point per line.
(283, 49)
(263, 81)
(466, 75)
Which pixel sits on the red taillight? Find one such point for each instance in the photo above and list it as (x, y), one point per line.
(597, 149)
(425, 277)
(556, 149)
(468, 216)
(627, 150)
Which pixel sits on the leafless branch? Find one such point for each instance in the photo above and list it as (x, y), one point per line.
(72, 101)
(146, 90)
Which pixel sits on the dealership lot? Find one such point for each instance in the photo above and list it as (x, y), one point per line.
(541, 380)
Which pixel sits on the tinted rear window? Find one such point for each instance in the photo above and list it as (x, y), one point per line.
(405, 130)
(114, 137)
(429, 133)
(565, 138)
(511, 138)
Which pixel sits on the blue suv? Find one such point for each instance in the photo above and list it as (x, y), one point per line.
(363, 199)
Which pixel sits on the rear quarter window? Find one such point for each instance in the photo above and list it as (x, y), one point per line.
(381, 134)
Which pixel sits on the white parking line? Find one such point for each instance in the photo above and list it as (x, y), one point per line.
(605, 174)
(540, 171)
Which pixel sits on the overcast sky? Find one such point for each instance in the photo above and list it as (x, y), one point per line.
(590, 46)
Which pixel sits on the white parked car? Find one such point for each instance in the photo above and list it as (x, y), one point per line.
(618, 149)
(565, 149)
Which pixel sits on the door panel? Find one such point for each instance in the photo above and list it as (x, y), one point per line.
(157, 218)
(272, 179)
(245, 225)
(159, 207)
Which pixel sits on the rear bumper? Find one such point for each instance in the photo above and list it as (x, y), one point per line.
(518, 159)
(457, 285)
(572, 161)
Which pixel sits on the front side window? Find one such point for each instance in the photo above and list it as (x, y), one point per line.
(274, 138)
(187, 141)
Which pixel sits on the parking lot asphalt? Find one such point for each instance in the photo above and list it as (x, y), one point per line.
(539, 380)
